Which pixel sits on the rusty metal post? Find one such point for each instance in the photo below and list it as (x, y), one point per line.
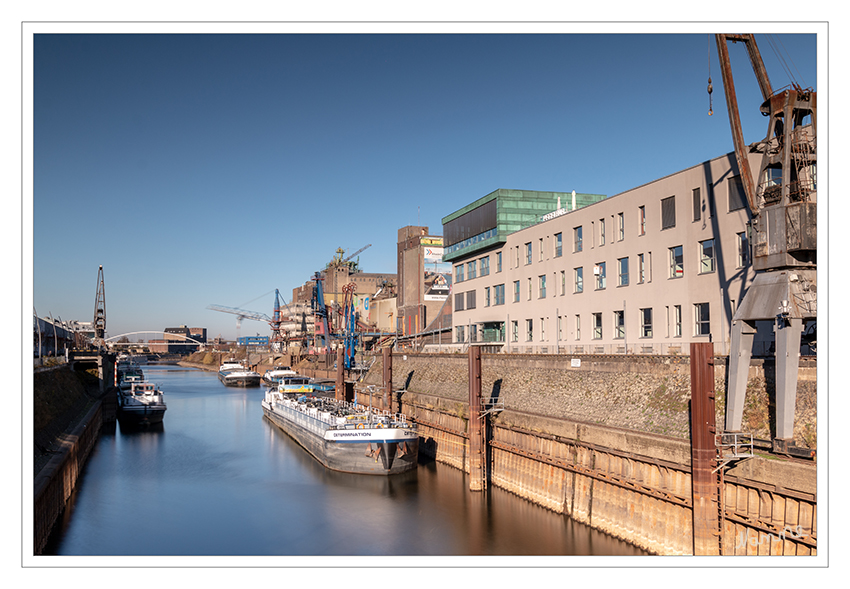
(705, 491)
(339, 389)
(475, 428)
(388, 379)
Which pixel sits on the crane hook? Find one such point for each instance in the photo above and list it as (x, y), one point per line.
(710, 90)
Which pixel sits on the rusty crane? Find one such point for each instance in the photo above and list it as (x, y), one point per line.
(782, 198)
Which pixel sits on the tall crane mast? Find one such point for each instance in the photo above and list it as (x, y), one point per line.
(783, 201)
(99, 321)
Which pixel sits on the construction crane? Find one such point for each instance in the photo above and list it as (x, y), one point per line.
(99, 321)
(783, 201)
(274, 322)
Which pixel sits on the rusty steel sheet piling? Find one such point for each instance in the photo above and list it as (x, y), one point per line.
(705, 482)
(477, 452)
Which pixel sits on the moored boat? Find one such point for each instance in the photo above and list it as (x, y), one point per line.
(343, 436)
(127, 374)
(142, 403)
(273, 376)
(295, 383)
(234, 374)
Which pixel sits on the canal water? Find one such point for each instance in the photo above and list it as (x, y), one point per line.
(217, 478)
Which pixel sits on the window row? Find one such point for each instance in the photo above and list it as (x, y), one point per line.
(701, 325)
(475, 268)
(706, 256)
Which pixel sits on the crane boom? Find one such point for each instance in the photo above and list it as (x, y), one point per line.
(362, 249)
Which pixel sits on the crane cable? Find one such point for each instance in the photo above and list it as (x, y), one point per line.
(780, 52)
(710, 88)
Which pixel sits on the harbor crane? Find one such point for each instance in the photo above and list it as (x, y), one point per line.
(275, 321)
(99, 321)
(782, 198)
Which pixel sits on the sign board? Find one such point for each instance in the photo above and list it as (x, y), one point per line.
(575, 362)
(433, 255)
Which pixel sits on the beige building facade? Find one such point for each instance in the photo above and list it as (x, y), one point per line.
(645, 271)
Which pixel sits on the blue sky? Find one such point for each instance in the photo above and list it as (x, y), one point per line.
(212, 169)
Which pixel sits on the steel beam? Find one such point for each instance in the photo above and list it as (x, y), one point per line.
(788, 332)
(743, 333)
(705, 482)
(476, 427)
(388, 379)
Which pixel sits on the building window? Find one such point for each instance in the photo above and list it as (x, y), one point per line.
(578, 327)
(579, 279)
(601, 231)
(541, 249)
(597, 325)
(529, 288)
(702, 319)
(541, 286)
(737, 196)
(560, 328)
(677, 262)
(677, 321)
(668, 212)
(706, 256)
(558, 245)
(641, 269)
(498, 261)
(697, 205)
(641, 220)
(470, 270)
(528, 253)
(563, 282)
(623, 275)
(599, 272)
(470, 299)
(529, 330)
(484, 266)
(514, 331)
(516, 265)
(577, 239)
(516, 291)
(473, 333)
(646, 322)
(459, 301)
(499, 294)
(743, 250)
(542, 330)
(621, 227)
(459, 273)
(460, 332)
(619, 324)
(486, 296)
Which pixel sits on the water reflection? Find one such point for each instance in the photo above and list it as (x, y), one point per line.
(217, 478)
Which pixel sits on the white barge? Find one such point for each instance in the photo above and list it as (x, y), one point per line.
(142, 404)
(346, 437)
(234, 374)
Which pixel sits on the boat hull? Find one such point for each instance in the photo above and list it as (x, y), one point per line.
(240, 380)
(141, 415)
(375, 452)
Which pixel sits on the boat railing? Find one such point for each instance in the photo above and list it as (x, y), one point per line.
(353, 414)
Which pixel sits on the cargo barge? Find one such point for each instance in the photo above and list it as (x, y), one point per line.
(142, 404)
(345, 437)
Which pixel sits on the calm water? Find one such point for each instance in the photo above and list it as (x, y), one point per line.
(218, 479)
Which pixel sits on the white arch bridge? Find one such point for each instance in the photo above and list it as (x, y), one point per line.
(109, 341)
